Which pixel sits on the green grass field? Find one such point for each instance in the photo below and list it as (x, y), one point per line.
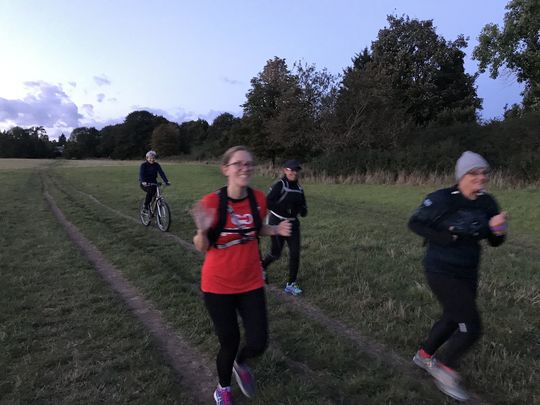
(360, 265)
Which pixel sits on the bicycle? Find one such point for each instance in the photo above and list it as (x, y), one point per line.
(158, 208)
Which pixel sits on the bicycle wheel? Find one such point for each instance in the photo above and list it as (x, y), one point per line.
(163, 216)
(144, 214)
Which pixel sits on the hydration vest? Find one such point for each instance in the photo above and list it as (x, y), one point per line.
(214, 233)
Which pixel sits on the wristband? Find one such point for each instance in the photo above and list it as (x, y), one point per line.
(498, 228)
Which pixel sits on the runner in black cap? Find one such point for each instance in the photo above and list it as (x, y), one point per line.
(286, 201)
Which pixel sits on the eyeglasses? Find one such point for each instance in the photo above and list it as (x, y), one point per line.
(238, 164)
(479, 172)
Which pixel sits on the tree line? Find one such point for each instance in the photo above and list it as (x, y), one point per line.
(405, 103)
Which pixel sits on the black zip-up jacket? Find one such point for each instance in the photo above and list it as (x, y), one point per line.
(286, 199)
(457, 252)
(148, 173)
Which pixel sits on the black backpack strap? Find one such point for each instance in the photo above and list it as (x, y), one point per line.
(214, 233)
(254, 210)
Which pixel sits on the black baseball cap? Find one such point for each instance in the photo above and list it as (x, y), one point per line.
(292, 164)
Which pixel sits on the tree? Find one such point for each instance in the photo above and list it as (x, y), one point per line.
(83, 143)
(319, 91)
(411, 78)
(195, 132)
(426, 71)
(276, 113)
(166, 139)
(134, 135)
(515, 46)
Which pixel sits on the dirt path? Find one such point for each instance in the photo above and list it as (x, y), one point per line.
(195, 376)
(366, 345)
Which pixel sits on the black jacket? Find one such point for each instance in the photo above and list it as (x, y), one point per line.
(286, 199)
(457, 252)
(148, 173)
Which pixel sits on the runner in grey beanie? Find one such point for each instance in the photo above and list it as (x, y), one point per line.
(468, 161)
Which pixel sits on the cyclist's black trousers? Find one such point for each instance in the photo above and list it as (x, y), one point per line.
(150, 193)
(278, 242)
(223, 309)
(460, 325)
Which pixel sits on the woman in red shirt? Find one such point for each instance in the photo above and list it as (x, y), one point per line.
(232, 278)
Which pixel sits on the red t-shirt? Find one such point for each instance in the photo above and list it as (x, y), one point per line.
(237, 268)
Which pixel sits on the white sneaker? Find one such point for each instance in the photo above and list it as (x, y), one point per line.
(292, 289)
(448, 381)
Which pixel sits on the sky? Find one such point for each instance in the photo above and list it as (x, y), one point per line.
(71, 63)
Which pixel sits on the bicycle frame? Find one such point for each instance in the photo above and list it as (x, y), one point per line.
(158, 196)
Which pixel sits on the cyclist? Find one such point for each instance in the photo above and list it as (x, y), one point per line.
(228, 225)
(148, 177)
(453, 221)
(286, 200)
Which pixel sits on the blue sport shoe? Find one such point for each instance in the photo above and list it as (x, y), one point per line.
(223, 395)
(245, 379)
(293, 289)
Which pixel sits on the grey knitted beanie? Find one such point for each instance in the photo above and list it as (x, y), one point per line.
(469, 161)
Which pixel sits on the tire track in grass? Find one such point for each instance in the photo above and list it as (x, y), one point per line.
(195, 375)
(366, 345)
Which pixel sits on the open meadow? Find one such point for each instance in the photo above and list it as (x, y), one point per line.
(67, 337)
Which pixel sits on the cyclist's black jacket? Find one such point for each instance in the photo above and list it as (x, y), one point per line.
(148, 173)
(447, 207)
(286, 199)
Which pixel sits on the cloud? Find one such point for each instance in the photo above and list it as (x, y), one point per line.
(49, 106)
(231, 81)
(45, 105)
(180, 115)
(73, 84)
(102, 80)
(88, 109)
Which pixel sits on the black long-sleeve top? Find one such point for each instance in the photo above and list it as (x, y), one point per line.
(286, 199)
(457, 252)
(148, 172)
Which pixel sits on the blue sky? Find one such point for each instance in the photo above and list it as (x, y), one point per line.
(71, 63)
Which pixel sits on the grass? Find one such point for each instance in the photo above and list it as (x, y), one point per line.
(359, 265)
(65, 337)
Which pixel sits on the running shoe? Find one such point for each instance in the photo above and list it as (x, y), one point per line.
(423, 360)
(448, 381)
(245, 379)
(292, 289)
(223, 396)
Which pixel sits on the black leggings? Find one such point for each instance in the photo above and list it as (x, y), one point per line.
(150, 193)
(460, 325)
(223, 309)
(278, 242)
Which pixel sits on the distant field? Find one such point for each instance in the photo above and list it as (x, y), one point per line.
(360, 265)
(14, 164)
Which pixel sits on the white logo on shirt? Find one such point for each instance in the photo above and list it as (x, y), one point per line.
(427, 202)
(243, 219)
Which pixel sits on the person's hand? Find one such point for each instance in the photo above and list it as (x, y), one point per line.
(203, 216)
(144, 183)
(497, 224)
(284, 228)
